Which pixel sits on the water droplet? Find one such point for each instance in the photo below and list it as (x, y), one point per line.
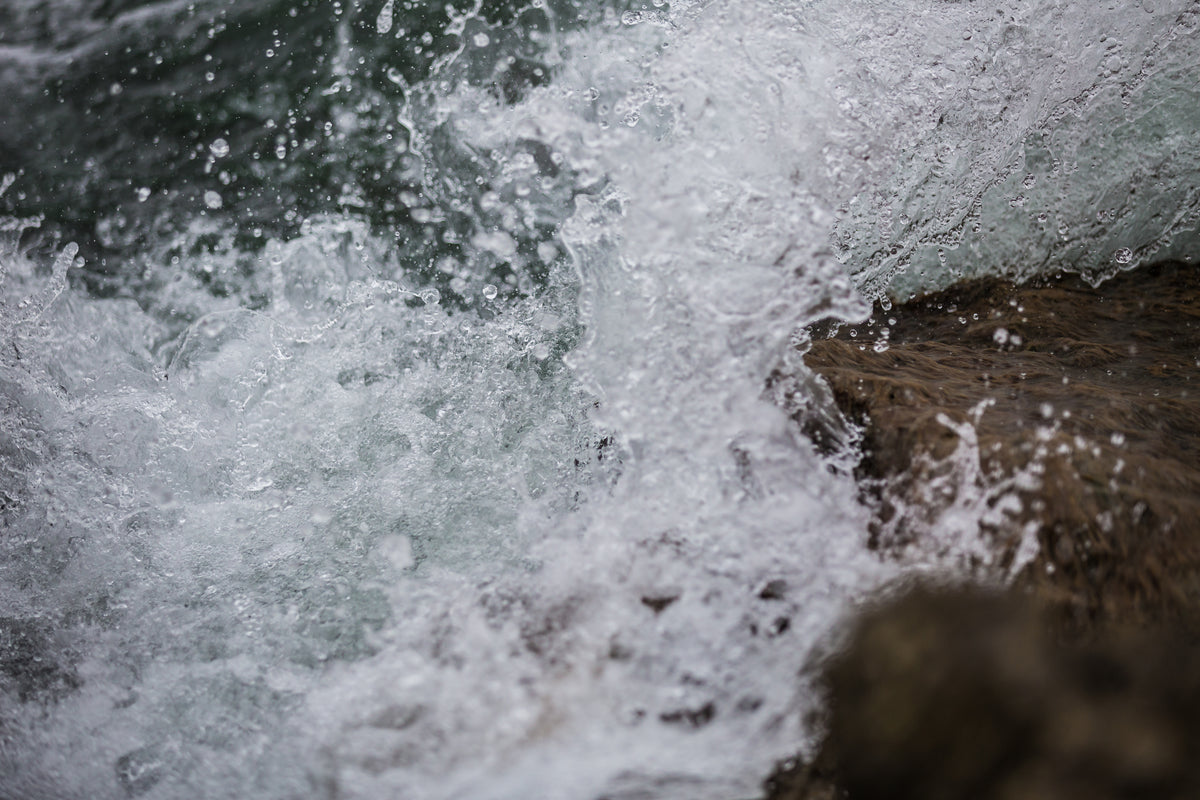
(212, 200)
(1117, 438)
(395, 76)
(490, 291)
(143, 194)
(1001, 336)
(383, 23)
(431, 297)
(480, 39)
(219, 148)
(631, 119)
(1123, 255)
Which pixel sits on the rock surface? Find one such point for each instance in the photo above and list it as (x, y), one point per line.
(961, 694)
(1085, 407)
(1067, 417)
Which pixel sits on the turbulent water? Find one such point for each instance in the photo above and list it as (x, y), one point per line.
(384, 407)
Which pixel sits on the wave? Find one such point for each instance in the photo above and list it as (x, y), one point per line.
(446, 466)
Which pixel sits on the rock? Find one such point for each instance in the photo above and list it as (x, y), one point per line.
(962, 694)
(1083, 408)
(1059, 410)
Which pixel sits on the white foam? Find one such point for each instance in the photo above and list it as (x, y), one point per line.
(359, 542)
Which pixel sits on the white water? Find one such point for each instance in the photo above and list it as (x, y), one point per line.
(355, 544)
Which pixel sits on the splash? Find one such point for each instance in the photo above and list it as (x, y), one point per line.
(507, 509)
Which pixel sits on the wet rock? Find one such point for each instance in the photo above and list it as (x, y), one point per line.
(1084, 406)
(952, 693)
(1053, 413)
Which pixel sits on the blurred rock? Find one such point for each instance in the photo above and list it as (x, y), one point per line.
(961, 694)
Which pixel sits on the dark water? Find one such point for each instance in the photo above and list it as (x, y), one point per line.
(114, 109)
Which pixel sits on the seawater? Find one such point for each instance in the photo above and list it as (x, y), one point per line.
(417, 444)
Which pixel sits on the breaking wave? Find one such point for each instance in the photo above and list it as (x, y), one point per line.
(440, 462)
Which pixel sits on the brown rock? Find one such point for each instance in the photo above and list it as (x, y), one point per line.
(1056, 409)
(1085, 406)
(959, 694)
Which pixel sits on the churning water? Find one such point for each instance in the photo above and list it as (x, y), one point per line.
(396, 426)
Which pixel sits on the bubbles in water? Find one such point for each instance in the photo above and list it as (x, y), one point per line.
(398, 551)
(428, 557)
(383, 22)
(143, 194)
(1123, 255)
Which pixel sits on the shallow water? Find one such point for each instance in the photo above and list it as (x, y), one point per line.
(403, 430)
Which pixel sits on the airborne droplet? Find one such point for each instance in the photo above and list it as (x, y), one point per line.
(383, 23)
